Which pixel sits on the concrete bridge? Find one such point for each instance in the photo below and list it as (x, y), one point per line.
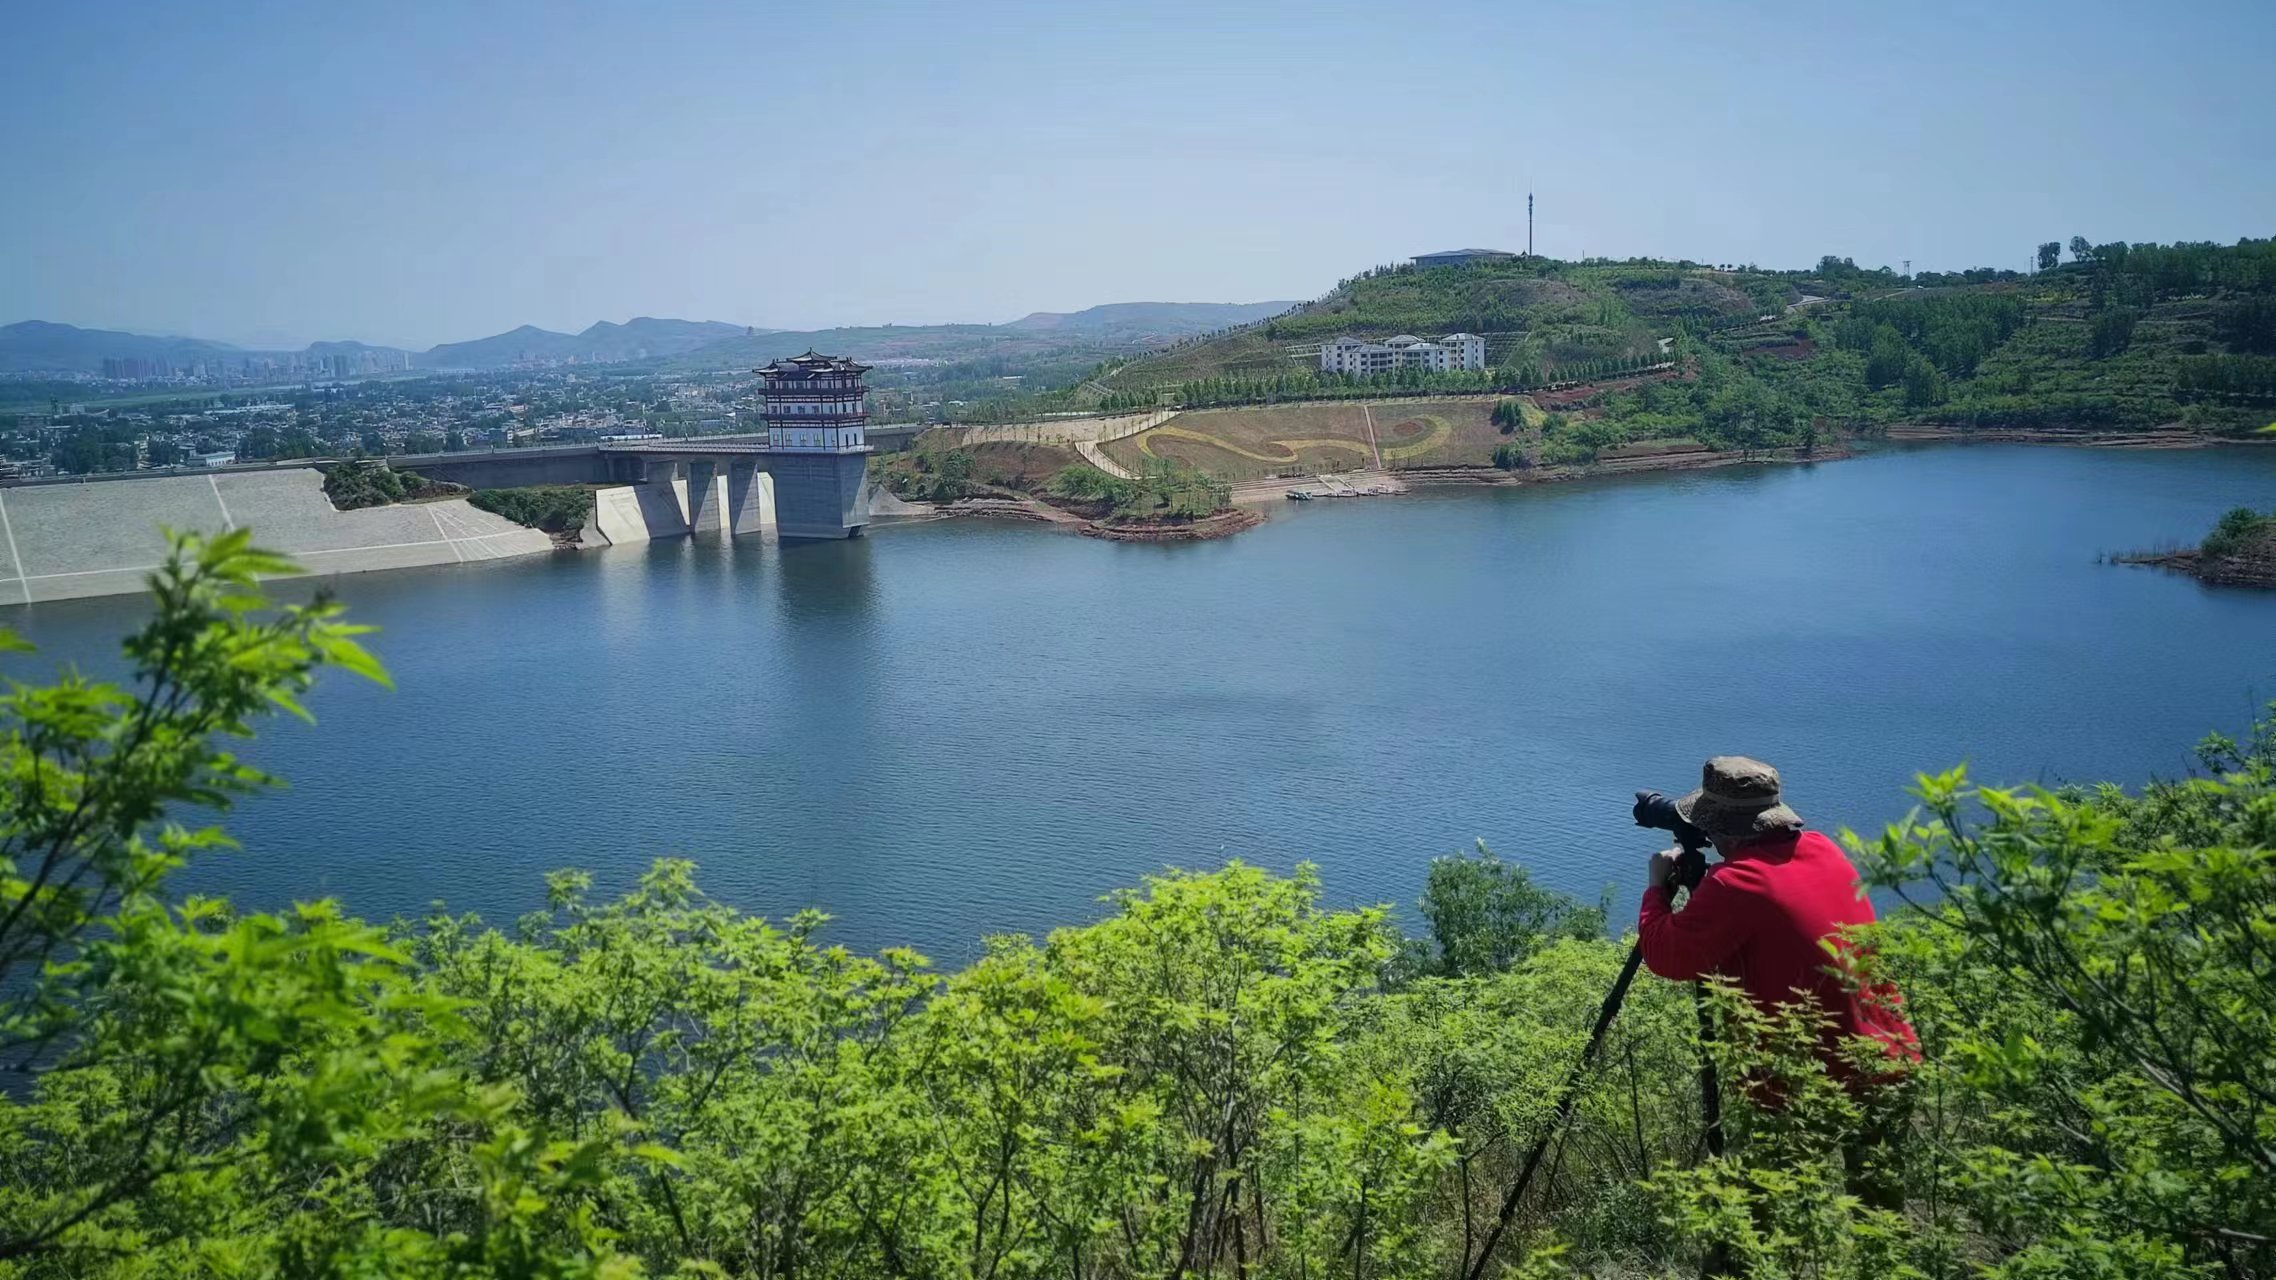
(731, 483)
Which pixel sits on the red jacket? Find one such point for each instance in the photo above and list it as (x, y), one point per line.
(1766, 917)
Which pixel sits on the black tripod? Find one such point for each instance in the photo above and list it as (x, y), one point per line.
(1652, 810)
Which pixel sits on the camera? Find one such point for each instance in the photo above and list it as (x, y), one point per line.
(1658, 812)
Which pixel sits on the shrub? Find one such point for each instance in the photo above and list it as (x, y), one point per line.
(554, 508)
(368, 482)
(933, 474)
(2237, 529)
(1086, 483)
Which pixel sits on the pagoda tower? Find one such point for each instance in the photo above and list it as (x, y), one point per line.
(816, 404)
(817, 416)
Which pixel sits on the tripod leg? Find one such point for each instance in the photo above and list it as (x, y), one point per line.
(1717, 1264)
(1564, 1113)
(1710, 1088)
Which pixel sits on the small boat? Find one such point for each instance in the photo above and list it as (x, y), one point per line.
(1299, 495)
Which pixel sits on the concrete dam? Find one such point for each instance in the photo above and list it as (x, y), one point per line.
(736, 483)
(99, 538)
(61, 540)
(807, 478)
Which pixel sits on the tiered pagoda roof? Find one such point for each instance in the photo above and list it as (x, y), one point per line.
(812, 365)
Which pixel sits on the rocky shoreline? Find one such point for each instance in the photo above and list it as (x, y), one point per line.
(2086, 438)
(1222, 525)
(2253, 567)
(1636, 464)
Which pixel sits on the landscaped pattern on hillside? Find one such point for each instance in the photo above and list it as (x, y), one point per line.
(1253, 444)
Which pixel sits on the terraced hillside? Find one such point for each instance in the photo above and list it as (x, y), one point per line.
(2124, 337)
(1536, 313)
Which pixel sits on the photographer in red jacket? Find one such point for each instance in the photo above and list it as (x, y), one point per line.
(1771, 917)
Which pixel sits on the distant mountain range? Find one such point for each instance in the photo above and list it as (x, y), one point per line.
(39, 346)
(1116, 328)
(637, 339)
(1150, 319)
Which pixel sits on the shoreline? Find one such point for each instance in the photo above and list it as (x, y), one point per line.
(1260, 492)
(2153, 438)
(1260, 495)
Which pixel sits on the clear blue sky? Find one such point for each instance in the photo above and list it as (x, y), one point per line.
(420, 172)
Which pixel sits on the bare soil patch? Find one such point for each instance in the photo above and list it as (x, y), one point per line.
(1026, 467)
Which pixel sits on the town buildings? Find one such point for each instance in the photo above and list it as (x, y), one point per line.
(1360, 358)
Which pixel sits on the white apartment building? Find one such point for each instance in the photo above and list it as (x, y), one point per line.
(1361, 358)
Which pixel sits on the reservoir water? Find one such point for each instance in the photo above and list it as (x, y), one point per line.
(956, 728)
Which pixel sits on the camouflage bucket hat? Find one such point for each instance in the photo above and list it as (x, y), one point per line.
(1737, 800)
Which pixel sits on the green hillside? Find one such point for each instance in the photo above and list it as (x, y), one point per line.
(2117, 337)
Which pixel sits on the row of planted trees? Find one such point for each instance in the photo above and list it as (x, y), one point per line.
(1248, 390)
(1224, 1076)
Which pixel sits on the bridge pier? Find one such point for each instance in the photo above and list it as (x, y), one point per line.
(707, 495)
(747, 489)
(819, 495)
(750, 498)
(663, 495)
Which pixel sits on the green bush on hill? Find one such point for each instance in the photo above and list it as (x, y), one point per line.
(1086, 483)
(368, 482)
(1164, 490)
(555, 508)
(931, 473)
(2238, 528)
(1222, 1077)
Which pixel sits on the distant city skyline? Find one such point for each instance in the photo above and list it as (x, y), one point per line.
(258, 174)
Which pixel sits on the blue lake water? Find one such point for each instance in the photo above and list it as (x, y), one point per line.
(950, 729)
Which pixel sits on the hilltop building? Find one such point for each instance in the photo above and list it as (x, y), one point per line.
(816, 404)
(1463, 257)
(1360, 358)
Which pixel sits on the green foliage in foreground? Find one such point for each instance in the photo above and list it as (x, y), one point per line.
(1223, 1076)
(555, 508)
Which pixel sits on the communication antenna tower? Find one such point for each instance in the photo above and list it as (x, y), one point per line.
(1528, 224)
